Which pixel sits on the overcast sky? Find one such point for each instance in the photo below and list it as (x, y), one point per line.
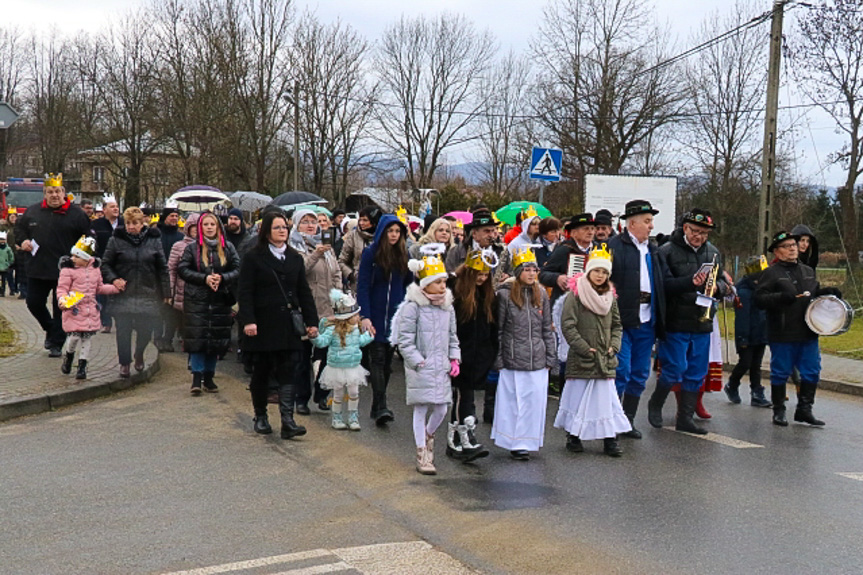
(513, 22)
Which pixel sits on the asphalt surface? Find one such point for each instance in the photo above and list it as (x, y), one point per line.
(154, 481)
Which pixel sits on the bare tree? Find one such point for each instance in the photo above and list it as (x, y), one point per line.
(336, 105)
(430, 72)
(827, 53)
(502, 125)
(12, 64)
(602, 94)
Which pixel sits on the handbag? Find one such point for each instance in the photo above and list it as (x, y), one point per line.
(298, 324)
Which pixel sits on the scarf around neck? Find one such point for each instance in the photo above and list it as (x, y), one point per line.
(278, 252)
(590, 298)
(437, 299)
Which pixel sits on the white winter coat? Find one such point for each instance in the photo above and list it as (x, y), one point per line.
(426, 334)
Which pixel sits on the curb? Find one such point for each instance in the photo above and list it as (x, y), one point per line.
(49, 402)
(828, 384)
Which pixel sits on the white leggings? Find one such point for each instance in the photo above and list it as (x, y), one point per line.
(421, 428)
(76, 337)
(353, 397)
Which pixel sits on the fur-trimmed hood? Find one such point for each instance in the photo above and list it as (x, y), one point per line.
(66, 262)
(415, 294)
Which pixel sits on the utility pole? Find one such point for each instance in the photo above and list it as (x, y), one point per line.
(768, 162)
(296, 135)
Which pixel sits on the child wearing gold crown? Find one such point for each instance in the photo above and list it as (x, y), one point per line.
(79, 283)
(526, 352)
(424, 328)
(589, 405)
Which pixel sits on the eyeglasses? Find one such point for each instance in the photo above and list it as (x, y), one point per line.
(698, 233)
(787, 246)
(279, 228)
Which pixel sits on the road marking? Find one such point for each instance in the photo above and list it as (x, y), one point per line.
(721, 439)
(849, 475)
(402, 557)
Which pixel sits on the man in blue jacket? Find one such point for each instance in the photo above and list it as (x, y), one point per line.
(636, 272)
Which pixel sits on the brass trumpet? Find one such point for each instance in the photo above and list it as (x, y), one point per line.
(709, 290)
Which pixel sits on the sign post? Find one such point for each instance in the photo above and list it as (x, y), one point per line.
(545, 165)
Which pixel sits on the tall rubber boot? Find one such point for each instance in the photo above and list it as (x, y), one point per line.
(777, 395)
(685, 411)
(805, 401)
(82, 369)
(655, 403)
(453, 441)
(471, 449)
(378, 380)
(287, 397)
(700, 410)
(630, 408)
(66, 366)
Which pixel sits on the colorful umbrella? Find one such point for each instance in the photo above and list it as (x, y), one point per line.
(507, 213)
(463, 217)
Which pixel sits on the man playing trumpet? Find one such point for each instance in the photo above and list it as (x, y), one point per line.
(684, 353)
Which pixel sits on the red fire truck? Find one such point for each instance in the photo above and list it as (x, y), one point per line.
(20, 193)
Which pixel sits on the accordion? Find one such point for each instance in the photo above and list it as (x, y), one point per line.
(575, 265)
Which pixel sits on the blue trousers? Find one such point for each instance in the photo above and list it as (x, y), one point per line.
(202, 362)
(633, 366)
(804, 355)
(684, 359)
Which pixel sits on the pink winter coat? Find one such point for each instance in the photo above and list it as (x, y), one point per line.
(178, 286)
(84, 315)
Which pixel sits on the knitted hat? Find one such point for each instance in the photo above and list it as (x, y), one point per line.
(524, 257)
(84, 248)
(599, 258)
(235, 212)
(3, 236)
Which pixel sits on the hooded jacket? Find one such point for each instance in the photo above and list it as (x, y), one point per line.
(427, 339)
(207, 313)
(585, 330)
(352, 250)
(522, 239)
(85, 315)
(810, 256)
(380, 295)
(177, 283)
(7, 257)
(526, 336)
(141, 262)
(322, 272)
(55, 231)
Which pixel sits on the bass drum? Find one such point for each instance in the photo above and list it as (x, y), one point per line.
(829, 315)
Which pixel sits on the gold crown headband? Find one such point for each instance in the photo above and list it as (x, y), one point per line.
(54, 181)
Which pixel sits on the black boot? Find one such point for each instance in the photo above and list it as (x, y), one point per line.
(380, 413)
(287, 397)
(197, 378)
(262, 424)
(573, 444)
(685, 410)
(82, 369)
(777, 394)
(611, 447)
(655, 403)
(66, 368)
(210, 385)
(805, 401)
(630, 408)
(488, 402)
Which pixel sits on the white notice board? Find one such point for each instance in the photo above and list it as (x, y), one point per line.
(612, 193)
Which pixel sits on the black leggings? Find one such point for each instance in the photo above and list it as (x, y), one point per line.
(749, 360)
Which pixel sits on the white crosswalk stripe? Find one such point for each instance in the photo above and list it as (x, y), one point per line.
(851, 475)
(721, 439)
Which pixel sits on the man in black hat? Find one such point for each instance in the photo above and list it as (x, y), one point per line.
(581, 230)
(684, 353)
(785, 290)
(480, 234)
(637, 274)
(604, 226)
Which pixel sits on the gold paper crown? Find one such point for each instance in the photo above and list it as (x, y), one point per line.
(402, 215)
(529, 213)
(12, 210)
(70, 300)
(763, 262)
(601, 252)
(494, 217)
(432, 266)
(459, 224)
(523, 255)
(181, 223)
(154, 219)
(52, 181)
(84, 248)
(474, 261)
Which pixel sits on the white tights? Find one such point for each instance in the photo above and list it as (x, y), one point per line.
(76, 337)
(421, 428)
(353, 397)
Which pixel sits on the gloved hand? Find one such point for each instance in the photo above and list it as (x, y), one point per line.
(829, 291)
(787, 298)
(454, 369)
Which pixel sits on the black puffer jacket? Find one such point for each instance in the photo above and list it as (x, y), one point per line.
(55, 231)
(207, 313)
(140, 260)
(777, 292)
(682, 313)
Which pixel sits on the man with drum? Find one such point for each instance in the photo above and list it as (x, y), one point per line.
(785, 291)
(637, 275)
(684, 353)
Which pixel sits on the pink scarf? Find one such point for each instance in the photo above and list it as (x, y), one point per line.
(435, 298)
(590, 298)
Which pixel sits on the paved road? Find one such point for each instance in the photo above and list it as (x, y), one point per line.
(155, 481)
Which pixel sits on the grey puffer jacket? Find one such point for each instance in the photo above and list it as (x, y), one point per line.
(527, 341)
(427, 339)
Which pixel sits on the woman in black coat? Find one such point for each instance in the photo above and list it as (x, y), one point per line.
(209, 267)
(272, 284)
(134, 262)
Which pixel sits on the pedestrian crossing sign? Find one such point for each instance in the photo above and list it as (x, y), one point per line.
(545, 164)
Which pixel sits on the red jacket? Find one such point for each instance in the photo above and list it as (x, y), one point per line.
(512, 234)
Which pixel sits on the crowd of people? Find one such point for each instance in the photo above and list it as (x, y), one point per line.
(321, 305)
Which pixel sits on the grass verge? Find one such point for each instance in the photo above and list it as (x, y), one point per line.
(8, 339)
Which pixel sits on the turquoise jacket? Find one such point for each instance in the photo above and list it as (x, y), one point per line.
(338, 355)
(7, 257)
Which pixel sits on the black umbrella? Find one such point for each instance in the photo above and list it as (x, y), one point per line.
(296, 197)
